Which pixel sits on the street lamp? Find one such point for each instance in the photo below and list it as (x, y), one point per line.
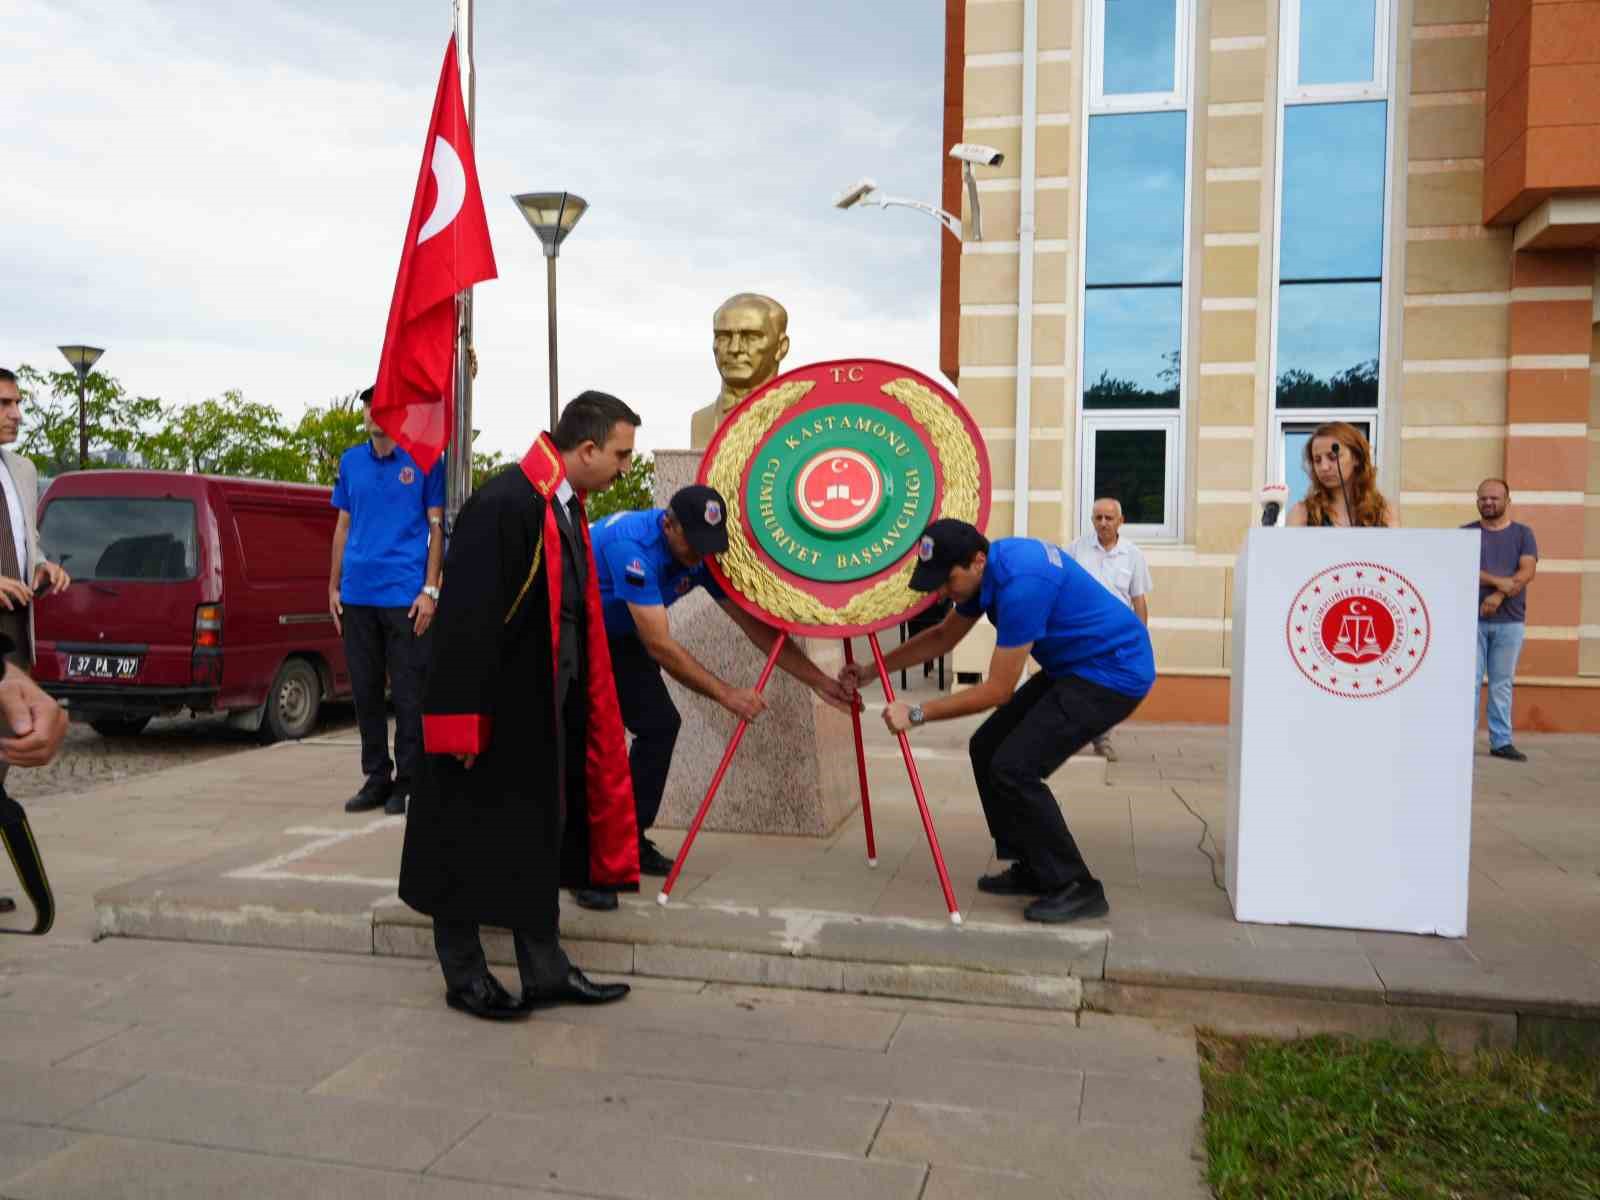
(969, 154)
(552, 216)
(82, 359)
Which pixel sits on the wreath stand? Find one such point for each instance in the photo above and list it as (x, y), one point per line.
(861, 770)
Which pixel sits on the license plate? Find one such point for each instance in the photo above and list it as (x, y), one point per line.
(103, 666)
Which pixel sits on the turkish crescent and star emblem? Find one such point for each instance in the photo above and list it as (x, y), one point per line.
(1358, 629)
(838, 490)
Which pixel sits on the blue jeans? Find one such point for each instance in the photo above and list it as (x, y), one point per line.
(1499, 645)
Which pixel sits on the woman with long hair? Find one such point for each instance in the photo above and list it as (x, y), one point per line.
(1325, 502)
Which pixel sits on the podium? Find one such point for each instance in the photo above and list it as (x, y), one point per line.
(1350, 737)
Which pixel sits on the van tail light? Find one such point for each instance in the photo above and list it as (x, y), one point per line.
(208, 627)
(206, 663)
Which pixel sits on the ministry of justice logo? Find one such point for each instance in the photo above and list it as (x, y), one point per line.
(838, 490)
(1358, 629)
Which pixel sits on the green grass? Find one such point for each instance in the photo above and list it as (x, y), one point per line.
(1333, 1117)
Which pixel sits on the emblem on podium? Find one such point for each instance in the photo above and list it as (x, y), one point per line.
(1358, 629)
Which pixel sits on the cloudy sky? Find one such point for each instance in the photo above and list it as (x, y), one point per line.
(217, 190)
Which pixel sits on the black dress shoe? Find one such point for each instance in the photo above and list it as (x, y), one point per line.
(487, 998)
(651, 860)
(576, 988)
(7, 904)
(395, 805)
(1016, 880)
(1075, 902)
(374, 793)
(1508, 751)
(595, 899)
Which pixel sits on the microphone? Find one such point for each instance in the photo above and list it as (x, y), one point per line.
(1272, 499)
(1344, 484)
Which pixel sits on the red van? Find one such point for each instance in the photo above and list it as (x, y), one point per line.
(189, 592)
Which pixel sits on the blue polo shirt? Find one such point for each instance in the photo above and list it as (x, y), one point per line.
(386, 553)
(636, 566)
(1033, 592)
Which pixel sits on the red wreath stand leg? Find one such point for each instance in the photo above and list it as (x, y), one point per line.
(861, 768)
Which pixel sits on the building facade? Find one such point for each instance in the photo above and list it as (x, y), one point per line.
(1221, 222)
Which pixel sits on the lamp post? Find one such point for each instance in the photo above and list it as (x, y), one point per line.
(82, 359)
(552, 216)
(865, 192)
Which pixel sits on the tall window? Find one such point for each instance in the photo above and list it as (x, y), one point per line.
(1328, 331)
(1135, 224)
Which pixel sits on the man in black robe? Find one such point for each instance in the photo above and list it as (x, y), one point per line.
(525, 788)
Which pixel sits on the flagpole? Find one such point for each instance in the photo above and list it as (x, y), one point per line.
(458, 470)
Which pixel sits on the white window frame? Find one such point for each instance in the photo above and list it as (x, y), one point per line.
(1174, 420)
(1291, 95)
(1375, 89)
(1177, 98)
(1098, 421)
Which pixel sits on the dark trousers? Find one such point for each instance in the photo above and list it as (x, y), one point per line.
(1014, 751)
(652, 718)
(380, 642)
(542, 963)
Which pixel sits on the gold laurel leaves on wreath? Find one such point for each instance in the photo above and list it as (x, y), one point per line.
(755, 580)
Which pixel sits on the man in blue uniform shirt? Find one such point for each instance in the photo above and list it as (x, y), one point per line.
(1095, 664)
(388, 551)
(647, 561)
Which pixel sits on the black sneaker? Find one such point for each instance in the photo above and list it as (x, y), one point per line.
(374, 793)
(651, 860)
(1016, 880)
(1075, 902)
(1508, 751)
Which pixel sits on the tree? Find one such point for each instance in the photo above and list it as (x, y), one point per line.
(634, 489)
(118, 424)
(227, 435)
(325, 433)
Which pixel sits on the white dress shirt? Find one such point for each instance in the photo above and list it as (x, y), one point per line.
(1122, 569)
(19, 530)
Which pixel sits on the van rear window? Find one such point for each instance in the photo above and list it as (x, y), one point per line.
(120, 538)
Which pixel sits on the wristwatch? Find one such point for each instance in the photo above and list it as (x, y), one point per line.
(432, 593)
(916, 714)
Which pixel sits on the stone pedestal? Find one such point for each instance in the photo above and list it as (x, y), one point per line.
(795, 770)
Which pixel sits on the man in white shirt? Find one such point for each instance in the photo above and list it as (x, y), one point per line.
(1120, 567)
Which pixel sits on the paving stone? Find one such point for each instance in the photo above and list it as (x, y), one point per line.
(1066, 1047)
(279, 1121)
(41, 1038)
(23, 1146)
(956, 1183)
(96, 1167)
(807, 1069)
(640, 1104)
(40, 1094)
(1045, 1143)
(761, 1014)
(570, 1155)
(1087, 1182)
(301, 1053)
(1174, 1101)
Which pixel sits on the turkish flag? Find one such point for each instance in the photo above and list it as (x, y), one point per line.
(446, 251)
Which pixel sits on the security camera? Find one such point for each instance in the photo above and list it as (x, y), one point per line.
(977, 155)
(855, 193)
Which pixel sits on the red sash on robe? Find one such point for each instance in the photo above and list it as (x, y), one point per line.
(613, 825)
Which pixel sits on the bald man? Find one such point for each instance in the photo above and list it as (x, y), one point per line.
(1120, 567)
